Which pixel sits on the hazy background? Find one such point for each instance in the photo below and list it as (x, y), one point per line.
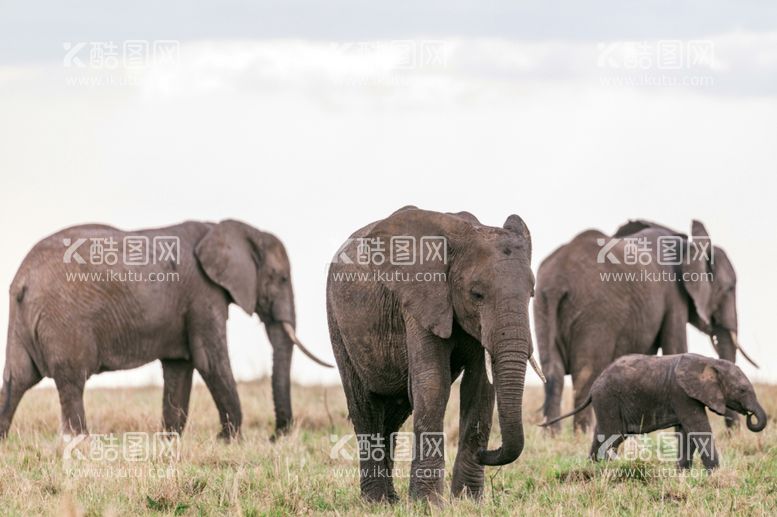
(311, 119)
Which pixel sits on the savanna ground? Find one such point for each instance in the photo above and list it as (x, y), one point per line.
(296, 475)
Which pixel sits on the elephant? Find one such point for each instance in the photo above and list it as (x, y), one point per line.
(145, 295)
(601, 297)
(403, 330)
(640, 394)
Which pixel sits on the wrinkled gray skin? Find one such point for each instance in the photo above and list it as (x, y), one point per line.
(69, 330)
(583, 323)
(641, 394)
(399, 345)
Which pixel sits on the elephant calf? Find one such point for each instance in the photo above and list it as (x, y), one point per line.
(642, 394)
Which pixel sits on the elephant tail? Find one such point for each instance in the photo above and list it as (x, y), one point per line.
(578, 409)
(23, 334)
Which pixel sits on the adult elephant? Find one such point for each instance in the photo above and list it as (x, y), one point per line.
(93, 298)
(601, 297)
(405, 326)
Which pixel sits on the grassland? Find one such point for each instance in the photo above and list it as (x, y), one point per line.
(296, 475)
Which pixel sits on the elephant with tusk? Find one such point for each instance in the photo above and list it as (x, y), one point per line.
(93, 298)
(588, 311)
(403, 328)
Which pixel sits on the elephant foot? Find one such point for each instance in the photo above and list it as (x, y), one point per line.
(468, 481)
(281, 430)
(371, 497)
(684, 464)
(468, 492)
(229, 436)
(379, 492)
(434, 498)
(427, 491)
(711, 465)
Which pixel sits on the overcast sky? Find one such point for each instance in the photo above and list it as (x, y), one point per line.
(311, 119)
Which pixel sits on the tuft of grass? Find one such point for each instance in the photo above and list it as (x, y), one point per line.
(296, 474)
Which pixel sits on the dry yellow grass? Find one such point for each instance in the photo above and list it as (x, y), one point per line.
(296, 474)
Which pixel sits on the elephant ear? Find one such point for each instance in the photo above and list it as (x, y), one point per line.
(695, 269)
(699, 379)
(516, 225)
(725, 275)
(229, 259)
(421, 283)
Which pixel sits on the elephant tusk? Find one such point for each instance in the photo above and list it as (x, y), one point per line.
(744, 354)
(293, 336)
(537, 369)
(489, 368)
(714, 341)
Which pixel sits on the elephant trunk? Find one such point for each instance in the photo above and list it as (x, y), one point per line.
(283, 307)
(283, 312)
(760, 419)
(511, 346)
(282, 346)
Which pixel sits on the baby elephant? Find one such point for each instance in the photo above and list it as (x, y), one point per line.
(643, 393)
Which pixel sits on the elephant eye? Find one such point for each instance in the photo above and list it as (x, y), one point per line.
(476, 295)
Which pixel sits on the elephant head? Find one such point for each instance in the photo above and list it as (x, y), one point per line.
(720, 385)
(253, 268)
(481, 281)
(710, 282)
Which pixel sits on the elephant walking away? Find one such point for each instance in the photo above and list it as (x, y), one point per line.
(93, 298)
(601, 297)
(404, 326)
(640, 394)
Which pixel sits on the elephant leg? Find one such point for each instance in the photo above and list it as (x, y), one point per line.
(685, 448)
(553, 368)
(699, 437)
(208, 343)
(395, 412)
(20, 375)
(596, 443)
(608, 433)
(177, 376)
(71, 400)
(373, 447)
(429, 365)
(546, 307)
(367, 412)
(223, 389)
(605, 442)
(476, 404)
(582, 380)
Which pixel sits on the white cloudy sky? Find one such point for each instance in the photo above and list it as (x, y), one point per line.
(309, 120)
